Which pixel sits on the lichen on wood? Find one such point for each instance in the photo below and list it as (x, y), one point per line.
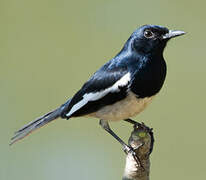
(142, 141)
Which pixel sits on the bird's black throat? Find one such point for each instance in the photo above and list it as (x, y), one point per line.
(149, 79)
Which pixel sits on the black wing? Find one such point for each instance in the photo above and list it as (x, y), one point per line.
(98, 91)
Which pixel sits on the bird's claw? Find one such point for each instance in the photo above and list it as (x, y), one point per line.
(130, 150)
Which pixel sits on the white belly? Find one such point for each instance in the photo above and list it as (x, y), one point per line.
(126, 108)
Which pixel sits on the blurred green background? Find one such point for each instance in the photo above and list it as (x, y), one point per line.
(48, 48)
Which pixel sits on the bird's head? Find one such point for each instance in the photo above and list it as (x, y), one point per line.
(151, 39)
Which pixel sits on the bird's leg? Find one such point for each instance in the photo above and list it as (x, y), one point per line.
(132, 122)
(127, 149)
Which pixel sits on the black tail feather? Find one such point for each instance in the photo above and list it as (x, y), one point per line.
(36, 124)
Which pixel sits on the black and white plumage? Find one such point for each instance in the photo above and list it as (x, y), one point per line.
(122, 87)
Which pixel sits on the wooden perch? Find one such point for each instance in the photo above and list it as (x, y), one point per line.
(141, 140)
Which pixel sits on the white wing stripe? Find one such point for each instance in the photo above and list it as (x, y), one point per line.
(98, 95)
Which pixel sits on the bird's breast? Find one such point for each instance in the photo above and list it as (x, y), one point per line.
(126, 108)
(149, 80)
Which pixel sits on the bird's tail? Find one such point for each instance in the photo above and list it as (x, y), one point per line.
(36, 124)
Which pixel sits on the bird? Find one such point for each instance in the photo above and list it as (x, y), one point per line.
(122, 88)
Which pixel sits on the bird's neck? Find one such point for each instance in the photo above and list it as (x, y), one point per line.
(149, 57)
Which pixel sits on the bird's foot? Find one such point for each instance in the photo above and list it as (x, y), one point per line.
(130, 150)
(133, 122)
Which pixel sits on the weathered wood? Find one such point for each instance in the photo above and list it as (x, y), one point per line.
(141, 140)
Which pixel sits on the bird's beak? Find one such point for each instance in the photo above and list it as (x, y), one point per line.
(172, 33)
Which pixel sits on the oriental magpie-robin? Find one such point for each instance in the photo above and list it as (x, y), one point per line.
(122, 87)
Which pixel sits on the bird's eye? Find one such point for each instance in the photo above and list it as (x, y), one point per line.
(148, 34)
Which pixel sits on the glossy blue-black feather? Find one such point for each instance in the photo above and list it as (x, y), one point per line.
(142, 58)
(104, 78)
